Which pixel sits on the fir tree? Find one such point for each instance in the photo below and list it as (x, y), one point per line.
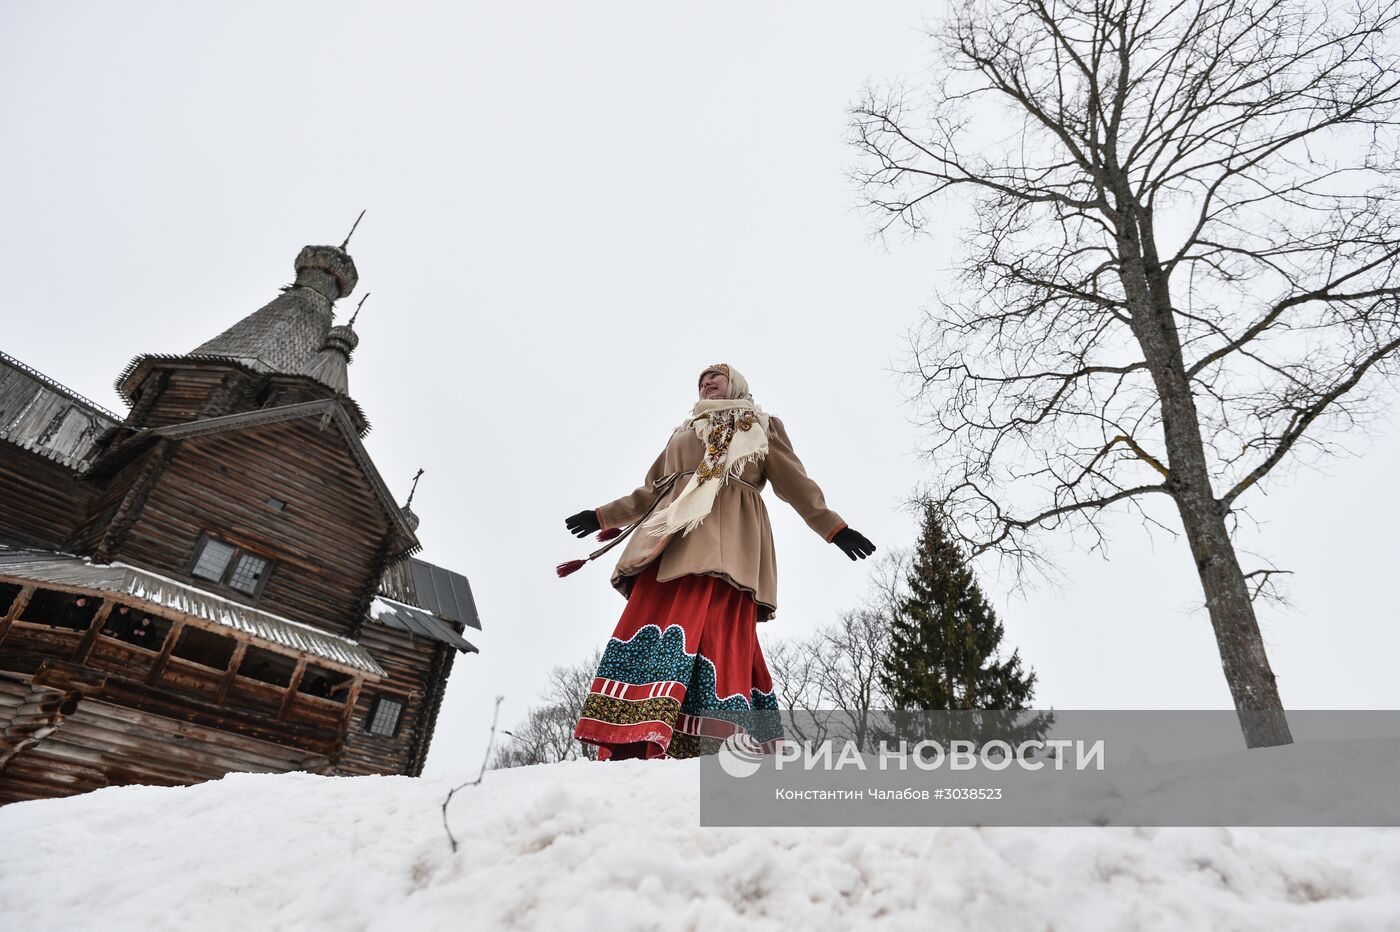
(945, 639)
(944, 656)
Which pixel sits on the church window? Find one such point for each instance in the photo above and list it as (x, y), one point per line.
(384, 716)
(248, 573)
(223, 563)
(213, 560)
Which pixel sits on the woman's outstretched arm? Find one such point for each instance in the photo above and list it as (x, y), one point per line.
(630, 507)
(794, 486)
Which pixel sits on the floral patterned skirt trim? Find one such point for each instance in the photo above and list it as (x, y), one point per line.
(682, 671)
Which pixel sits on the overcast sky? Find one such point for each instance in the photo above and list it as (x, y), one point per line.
(572, 209)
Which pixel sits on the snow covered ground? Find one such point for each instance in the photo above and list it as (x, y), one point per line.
(617, 846)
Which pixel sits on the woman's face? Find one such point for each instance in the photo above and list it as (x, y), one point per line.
(714, 385)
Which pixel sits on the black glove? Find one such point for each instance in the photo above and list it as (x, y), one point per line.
(583, 523)
(853, 543)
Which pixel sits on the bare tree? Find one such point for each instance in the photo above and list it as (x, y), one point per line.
(851, 656)
(1180, 273)
(547, 734)
(838, 666)
(795, 664)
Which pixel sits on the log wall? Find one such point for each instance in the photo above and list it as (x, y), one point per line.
(41, 501)
(409, 661)
(114, 502)
(325, 544)
(103, 743)
(436, 688)
(81, 710)
(190, 393)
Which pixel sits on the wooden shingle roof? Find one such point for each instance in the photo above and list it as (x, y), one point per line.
(46, 418)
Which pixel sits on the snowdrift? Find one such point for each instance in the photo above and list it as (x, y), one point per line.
(617, 846)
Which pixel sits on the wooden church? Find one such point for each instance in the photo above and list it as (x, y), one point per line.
(220, 580)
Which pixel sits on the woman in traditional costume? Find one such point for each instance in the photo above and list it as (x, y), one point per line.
(684, 665)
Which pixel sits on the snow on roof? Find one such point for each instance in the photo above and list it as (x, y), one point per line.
(416, 621)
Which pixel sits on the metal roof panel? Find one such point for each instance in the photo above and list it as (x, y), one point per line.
(445, 593)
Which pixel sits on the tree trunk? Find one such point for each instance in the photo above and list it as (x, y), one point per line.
(1247, 670)
(1241, 646)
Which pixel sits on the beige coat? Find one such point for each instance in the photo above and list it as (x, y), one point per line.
(735, 542)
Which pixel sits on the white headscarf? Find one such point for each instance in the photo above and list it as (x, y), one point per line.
(734, 431)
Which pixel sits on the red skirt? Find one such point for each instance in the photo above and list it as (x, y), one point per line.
(682, 668)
